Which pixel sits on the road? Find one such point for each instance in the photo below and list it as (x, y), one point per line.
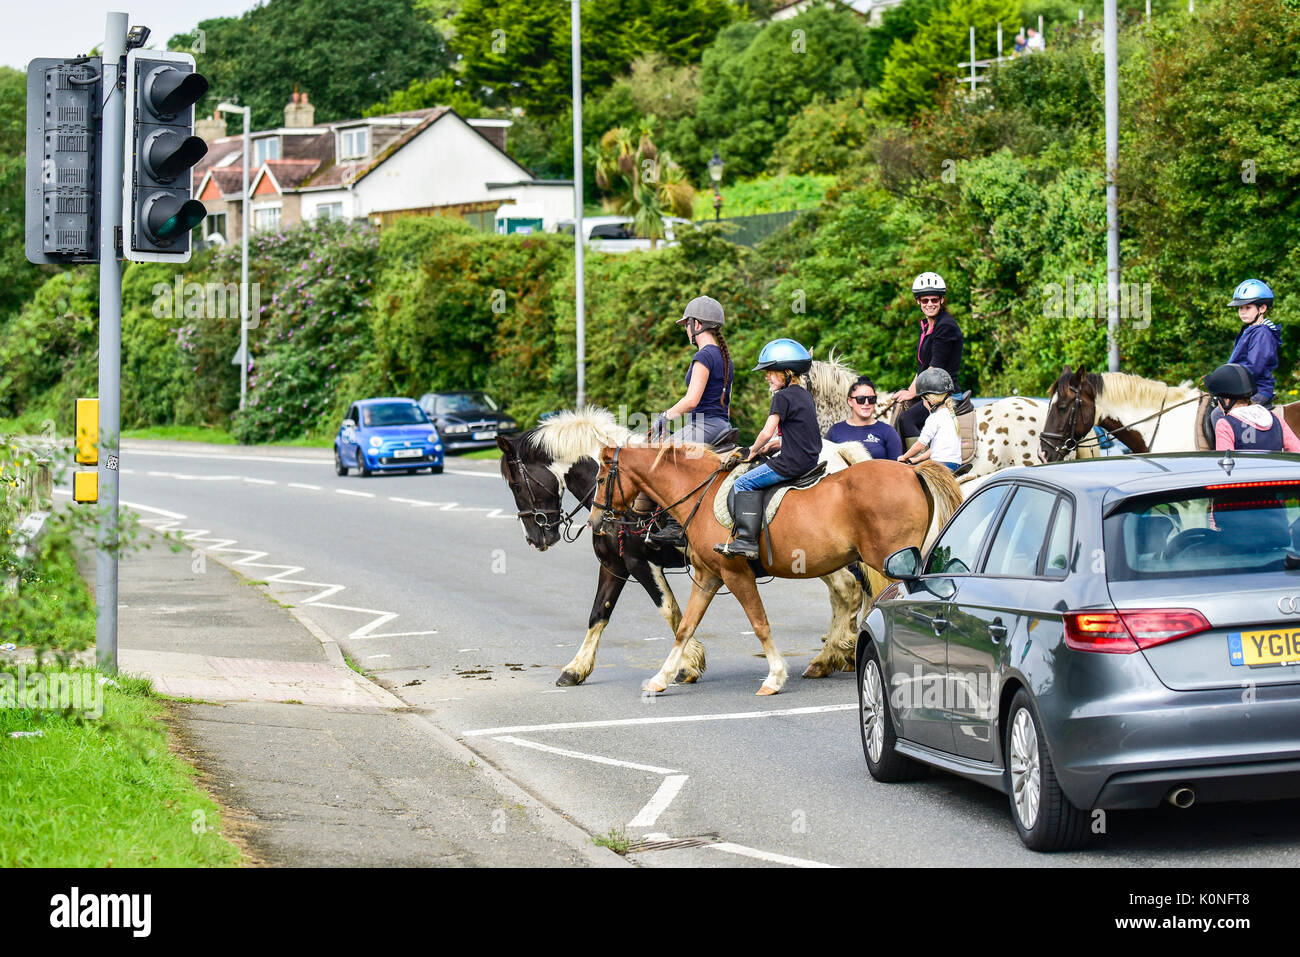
(427, 583)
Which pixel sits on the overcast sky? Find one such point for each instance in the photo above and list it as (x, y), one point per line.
(57, 28)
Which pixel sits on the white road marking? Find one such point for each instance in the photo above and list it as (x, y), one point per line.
(728, 848)
(647, 816)
(314, 488)
(348, 491)
(659, 638)
(595, 758)
(254, 481)
(663, 719)
(495, 475)
(411, 501)
(556, 691)
(463, 650)
(230, 458)
(371, 657)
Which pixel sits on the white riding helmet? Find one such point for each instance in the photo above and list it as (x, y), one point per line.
(928, 284)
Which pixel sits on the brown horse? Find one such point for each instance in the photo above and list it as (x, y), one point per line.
(863, 513)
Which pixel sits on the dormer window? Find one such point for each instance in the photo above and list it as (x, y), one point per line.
(354, 144)
(265, 149)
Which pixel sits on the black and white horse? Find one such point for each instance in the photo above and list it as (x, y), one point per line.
(564, 453)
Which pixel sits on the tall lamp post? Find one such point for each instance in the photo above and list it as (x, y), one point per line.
(244, 222)
(715, 174)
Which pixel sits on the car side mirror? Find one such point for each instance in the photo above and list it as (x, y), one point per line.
(904, 564)
(349, 423)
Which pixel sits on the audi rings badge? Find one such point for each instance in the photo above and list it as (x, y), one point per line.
(1289, 604)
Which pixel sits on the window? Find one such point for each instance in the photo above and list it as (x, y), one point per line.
(1020, 535)
(1060, 544)
(958, 548)
(393, 413)
(463, 402)
(353, 144)
(329, 211)
(266, 218)
(265, 149)
(216, 223)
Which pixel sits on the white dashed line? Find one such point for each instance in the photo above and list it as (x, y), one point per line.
(348, 491)
(253, 481)
(418, 503)
(594, 758)
(314, 488)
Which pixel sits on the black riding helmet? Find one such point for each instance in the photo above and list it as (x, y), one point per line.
(1230, 381)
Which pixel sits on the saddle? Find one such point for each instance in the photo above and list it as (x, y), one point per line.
(1205, 422)
(772, 495)
(965, 425)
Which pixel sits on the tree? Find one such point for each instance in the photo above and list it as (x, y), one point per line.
(640, 181)
(517, 52)
(345, 54)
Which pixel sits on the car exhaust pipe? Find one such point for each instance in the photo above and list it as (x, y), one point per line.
(1181, 797)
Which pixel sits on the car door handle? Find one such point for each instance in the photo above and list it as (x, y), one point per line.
(939, 625)
(997, 630)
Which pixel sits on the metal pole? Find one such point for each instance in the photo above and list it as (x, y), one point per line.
(1111, 48)
(578, 265)
(1148, 11)
(243, 271)
(110, 343)
(1040, 25)
(972, 61)
(999, 41)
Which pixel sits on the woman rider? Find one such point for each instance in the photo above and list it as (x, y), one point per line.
(707, 402)
(794, 415)
(940, 347)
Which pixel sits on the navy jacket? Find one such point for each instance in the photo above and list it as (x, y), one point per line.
(1256, 349)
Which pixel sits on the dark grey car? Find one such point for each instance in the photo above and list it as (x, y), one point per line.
(1106, 634)
(467, 420)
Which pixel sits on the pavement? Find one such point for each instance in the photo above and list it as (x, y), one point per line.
(315, 764)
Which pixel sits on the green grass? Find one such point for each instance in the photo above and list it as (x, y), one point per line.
(769, 194)
(616, 840)
(182, 433)
(103, 792)
(492, 453)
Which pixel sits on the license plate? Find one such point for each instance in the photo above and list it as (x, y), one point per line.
(480, 436)
(408, 453)
(1273, 646)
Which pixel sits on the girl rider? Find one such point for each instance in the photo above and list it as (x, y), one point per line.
(1256, 344)
(794, 415)
(940, 347)
(1245, 427)
(707, 402)
(939, 439)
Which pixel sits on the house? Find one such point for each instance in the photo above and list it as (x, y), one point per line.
(420, 162)
(872, 10)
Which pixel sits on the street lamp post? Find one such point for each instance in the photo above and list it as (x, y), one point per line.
(715, 174)
(579, 267)
(244, 216)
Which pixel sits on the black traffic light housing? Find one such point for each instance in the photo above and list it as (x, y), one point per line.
(158, 207)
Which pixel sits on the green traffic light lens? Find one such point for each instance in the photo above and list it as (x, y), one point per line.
(168, 218)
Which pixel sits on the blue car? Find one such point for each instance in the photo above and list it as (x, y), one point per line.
(387, 435)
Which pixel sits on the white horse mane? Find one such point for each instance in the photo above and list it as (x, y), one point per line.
(572, 435)
(1122, 393)
(829, 383)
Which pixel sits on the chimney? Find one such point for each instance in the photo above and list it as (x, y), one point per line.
(210, 128)
(298, 113)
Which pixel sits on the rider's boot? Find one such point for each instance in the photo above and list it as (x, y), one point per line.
(749, 520)
(670, 532)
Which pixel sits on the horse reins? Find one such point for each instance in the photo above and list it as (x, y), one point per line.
(620, 514)
(1071, 444)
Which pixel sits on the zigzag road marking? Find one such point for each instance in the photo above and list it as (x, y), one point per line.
(171, 522)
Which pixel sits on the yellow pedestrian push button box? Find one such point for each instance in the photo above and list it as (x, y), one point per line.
(85, 486)
(87, 432)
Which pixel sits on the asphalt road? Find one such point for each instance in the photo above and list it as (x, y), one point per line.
(427, 582)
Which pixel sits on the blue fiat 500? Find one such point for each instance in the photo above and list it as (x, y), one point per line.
(387, 435)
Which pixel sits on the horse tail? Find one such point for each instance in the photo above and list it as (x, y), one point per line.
(944, 494)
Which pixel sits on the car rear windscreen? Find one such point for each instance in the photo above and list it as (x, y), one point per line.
(465, 402)
(396, 413)
(1236, 528)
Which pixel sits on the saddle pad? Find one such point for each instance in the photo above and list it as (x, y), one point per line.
(966, 432)
(720, 511)
(1204, 430)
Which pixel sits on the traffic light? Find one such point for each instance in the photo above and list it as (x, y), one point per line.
(158, 210)
(63, 131)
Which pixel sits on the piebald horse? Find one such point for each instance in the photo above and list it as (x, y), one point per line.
(562, 453)
(863, 513)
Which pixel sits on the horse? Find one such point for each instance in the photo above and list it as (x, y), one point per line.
(861, 514)
(1146, 415)
(562, 453)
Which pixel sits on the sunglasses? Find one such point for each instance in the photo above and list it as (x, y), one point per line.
(930, 300)
(863, 399)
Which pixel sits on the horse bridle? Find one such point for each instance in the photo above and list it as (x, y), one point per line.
(564, 522)
(1071, 443)
(614, 477)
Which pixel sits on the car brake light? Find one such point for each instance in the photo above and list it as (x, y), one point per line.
(1124, 632)
(1230, 485)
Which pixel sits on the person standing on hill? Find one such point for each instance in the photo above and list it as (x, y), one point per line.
(940, 347)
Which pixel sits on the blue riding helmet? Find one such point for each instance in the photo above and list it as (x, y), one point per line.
(1250, 292)
(784, 355)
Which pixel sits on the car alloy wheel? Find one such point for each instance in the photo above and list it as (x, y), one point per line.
(361, 465)
(1026, 780)
(873, 704)
(877, 726)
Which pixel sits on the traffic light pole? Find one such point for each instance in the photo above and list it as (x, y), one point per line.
(110, 343)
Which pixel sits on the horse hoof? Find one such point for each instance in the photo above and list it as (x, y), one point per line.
(765, 690)
(684, 677)
(567, 679)
(816, 670)
(653, 687)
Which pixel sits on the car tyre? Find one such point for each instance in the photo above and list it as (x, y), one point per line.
(339, 467)
(876, 724)
(361, 465)
(435, 469)
(1044, 816)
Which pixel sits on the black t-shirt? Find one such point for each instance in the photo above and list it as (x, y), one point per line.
(941, 348)
(801, 438)
(711, 402)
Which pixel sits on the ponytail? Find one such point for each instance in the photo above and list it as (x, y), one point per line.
(728, 371)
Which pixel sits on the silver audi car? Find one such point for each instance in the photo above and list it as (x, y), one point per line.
(1103, 634)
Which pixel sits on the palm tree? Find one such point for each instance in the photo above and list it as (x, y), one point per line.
(640, 181)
